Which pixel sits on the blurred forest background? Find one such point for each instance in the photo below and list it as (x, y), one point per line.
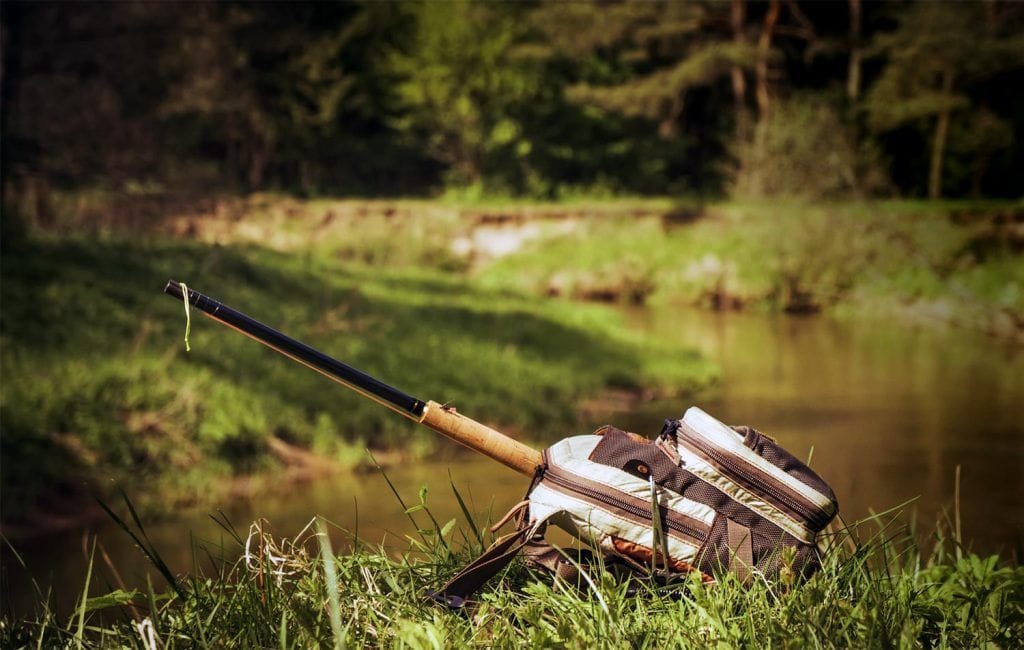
(544, 100)
(400, 181)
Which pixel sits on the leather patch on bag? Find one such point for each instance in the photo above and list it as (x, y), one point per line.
(609, 429)
(642, 554)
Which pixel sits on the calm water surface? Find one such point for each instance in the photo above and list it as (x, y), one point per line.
(889, 411)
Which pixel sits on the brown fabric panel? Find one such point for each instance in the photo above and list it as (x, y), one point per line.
(770, 558)
(722, 503)
(766, 543)
(714, 556)
(607, 428)
(539, 554)
(807, 560)
(616, 451)
(776, 503)
(699, 527)
(619, 450)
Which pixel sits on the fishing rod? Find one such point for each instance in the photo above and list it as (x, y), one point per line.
(439, 417)
(699, 473)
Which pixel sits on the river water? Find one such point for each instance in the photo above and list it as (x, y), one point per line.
(889, 411)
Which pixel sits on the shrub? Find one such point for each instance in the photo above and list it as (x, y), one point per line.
(803, 149)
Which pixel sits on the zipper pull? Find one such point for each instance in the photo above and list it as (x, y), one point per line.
(669, 429)
(668, 443)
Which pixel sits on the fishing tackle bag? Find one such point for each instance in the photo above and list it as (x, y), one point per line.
(702, 497)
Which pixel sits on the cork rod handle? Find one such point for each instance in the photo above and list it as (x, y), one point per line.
(481, 438)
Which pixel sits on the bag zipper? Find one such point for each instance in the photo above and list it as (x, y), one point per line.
(599, 492)
(751, 479)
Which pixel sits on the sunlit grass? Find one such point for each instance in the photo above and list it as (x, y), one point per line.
(877, 588)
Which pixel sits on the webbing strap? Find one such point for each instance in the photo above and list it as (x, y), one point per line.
(455, 592)
(538, 553)
(741, 550)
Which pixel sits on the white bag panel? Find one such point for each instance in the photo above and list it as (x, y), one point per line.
(595, 526)
(720, 435)
(571, 454)
(710, 474)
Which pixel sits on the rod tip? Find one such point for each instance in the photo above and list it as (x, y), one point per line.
(173, 288)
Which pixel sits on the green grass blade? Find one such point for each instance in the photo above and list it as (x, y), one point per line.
(83, 605)
(401, 501)
(465, 511)
(143, 543)
(228, 527)
(43, 600)
(331, 578)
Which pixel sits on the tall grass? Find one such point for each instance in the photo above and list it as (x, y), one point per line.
(878, 587)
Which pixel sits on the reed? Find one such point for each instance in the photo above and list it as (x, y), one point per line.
(879, 587)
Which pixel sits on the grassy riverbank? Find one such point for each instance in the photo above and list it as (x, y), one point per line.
(449, 302)
(444, 299)
(99, 393)
(954, 262)
(957, 263)
(877, 589)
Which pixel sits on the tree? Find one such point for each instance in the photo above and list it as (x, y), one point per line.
(654, 53)
(213, 80)
(764, 45)
(853, 74)
(932, 59)
(79, 88)
(737, 19)
(460, 80)
(668, 61)
(261, 81)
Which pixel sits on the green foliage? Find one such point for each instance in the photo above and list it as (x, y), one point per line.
(462, 78)
(647, 69)
(657, 52)
(934, 39)
(976, 138)
(62, 100)
(934, 62)
(276, 87)
(882, 590)
(496, 99)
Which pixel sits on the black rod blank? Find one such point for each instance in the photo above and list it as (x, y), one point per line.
(358, 380)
